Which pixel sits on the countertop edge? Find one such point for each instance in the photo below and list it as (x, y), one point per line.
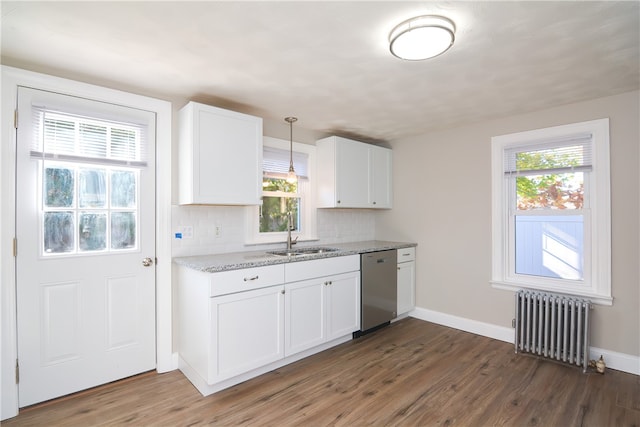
(216, 263)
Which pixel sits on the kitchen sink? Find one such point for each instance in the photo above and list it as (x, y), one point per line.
(301, 251)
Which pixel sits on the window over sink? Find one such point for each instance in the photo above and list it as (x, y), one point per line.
(268, 223)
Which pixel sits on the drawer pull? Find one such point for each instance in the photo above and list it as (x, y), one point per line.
(249, 279)
(406, 254)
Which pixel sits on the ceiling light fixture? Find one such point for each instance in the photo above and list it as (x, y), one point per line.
(291, 176)
(422, 37)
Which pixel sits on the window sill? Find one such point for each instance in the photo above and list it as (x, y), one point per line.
(594, 298)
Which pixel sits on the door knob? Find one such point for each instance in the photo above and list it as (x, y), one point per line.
(147, 262)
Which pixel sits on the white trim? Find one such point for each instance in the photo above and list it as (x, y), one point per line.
(11, 79)
(597, 257)
(468, 325)
(618, 361)
(614, 360)
(594, 298)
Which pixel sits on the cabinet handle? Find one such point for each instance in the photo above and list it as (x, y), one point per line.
(398, 268)
(249, 279)
(338, 201)
(374, 203)
(282, 292)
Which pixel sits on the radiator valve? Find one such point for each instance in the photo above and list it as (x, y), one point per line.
(599, 365)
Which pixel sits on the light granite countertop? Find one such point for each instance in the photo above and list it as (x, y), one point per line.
(239, 260)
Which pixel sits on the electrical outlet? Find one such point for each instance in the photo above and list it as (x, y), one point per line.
(218, 230)
(187, 231)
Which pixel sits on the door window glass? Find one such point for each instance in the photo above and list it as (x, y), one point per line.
(88, 208)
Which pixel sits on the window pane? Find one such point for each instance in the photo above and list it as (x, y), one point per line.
(274, 210)
(59, 187)
(58, 232)
(554, 157)
(550, 191)
(123, 230)
(92, 231)
(277, 184)
(92, 191)
(550, 246)
(123, 189)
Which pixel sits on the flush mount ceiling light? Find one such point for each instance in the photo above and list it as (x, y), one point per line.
(422, 37)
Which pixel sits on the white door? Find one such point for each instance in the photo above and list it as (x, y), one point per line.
(85, 222)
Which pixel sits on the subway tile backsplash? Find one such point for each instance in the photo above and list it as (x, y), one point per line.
(334, 226)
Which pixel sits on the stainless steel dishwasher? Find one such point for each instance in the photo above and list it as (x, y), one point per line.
(379, 280)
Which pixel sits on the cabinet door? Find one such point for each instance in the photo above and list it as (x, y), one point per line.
(381, 165)
(406, 287)
(343, 304)
(247, 331)
(220, 156)
(352, 174)
(304, 315)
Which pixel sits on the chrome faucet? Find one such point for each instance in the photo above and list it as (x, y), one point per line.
(289, 227)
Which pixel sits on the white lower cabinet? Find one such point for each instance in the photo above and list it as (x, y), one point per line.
(343, 305)
(320, 310)
(305, 317)
(238, 324)
(246, 331)
(406, 280)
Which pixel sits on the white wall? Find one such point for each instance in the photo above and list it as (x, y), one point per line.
(442, 201)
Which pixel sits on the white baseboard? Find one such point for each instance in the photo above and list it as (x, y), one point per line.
(614, 360)
(479, 328)
(618, 361)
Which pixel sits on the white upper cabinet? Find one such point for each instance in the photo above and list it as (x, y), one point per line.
(380, 177)
(220, 156)
(353, 174)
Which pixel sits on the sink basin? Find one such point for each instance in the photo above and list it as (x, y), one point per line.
(301, 251)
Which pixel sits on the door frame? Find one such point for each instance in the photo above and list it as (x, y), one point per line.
(166, 359)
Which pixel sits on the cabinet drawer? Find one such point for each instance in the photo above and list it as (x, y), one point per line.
(406, 254)
(228, 282)
(305, 270)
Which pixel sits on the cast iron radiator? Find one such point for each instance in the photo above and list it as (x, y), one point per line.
(553, 326)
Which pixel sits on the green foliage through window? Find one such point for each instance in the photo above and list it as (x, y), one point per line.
(557, 190)
(280, 199)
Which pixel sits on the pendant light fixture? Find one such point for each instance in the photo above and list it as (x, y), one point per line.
(422, 37)
(291, 176)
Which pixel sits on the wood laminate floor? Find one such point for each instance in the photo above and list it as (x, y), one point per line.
(412, 373)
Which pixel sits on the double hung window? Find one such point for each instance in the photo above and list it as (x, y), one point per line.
(551, 213)
(282, 200)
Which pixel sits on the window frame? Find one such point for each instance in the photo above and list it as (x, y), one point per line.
(306, 193)
(596, 283)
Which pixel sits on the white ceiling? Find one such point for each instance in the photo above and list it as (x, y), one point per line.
(328, 62)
